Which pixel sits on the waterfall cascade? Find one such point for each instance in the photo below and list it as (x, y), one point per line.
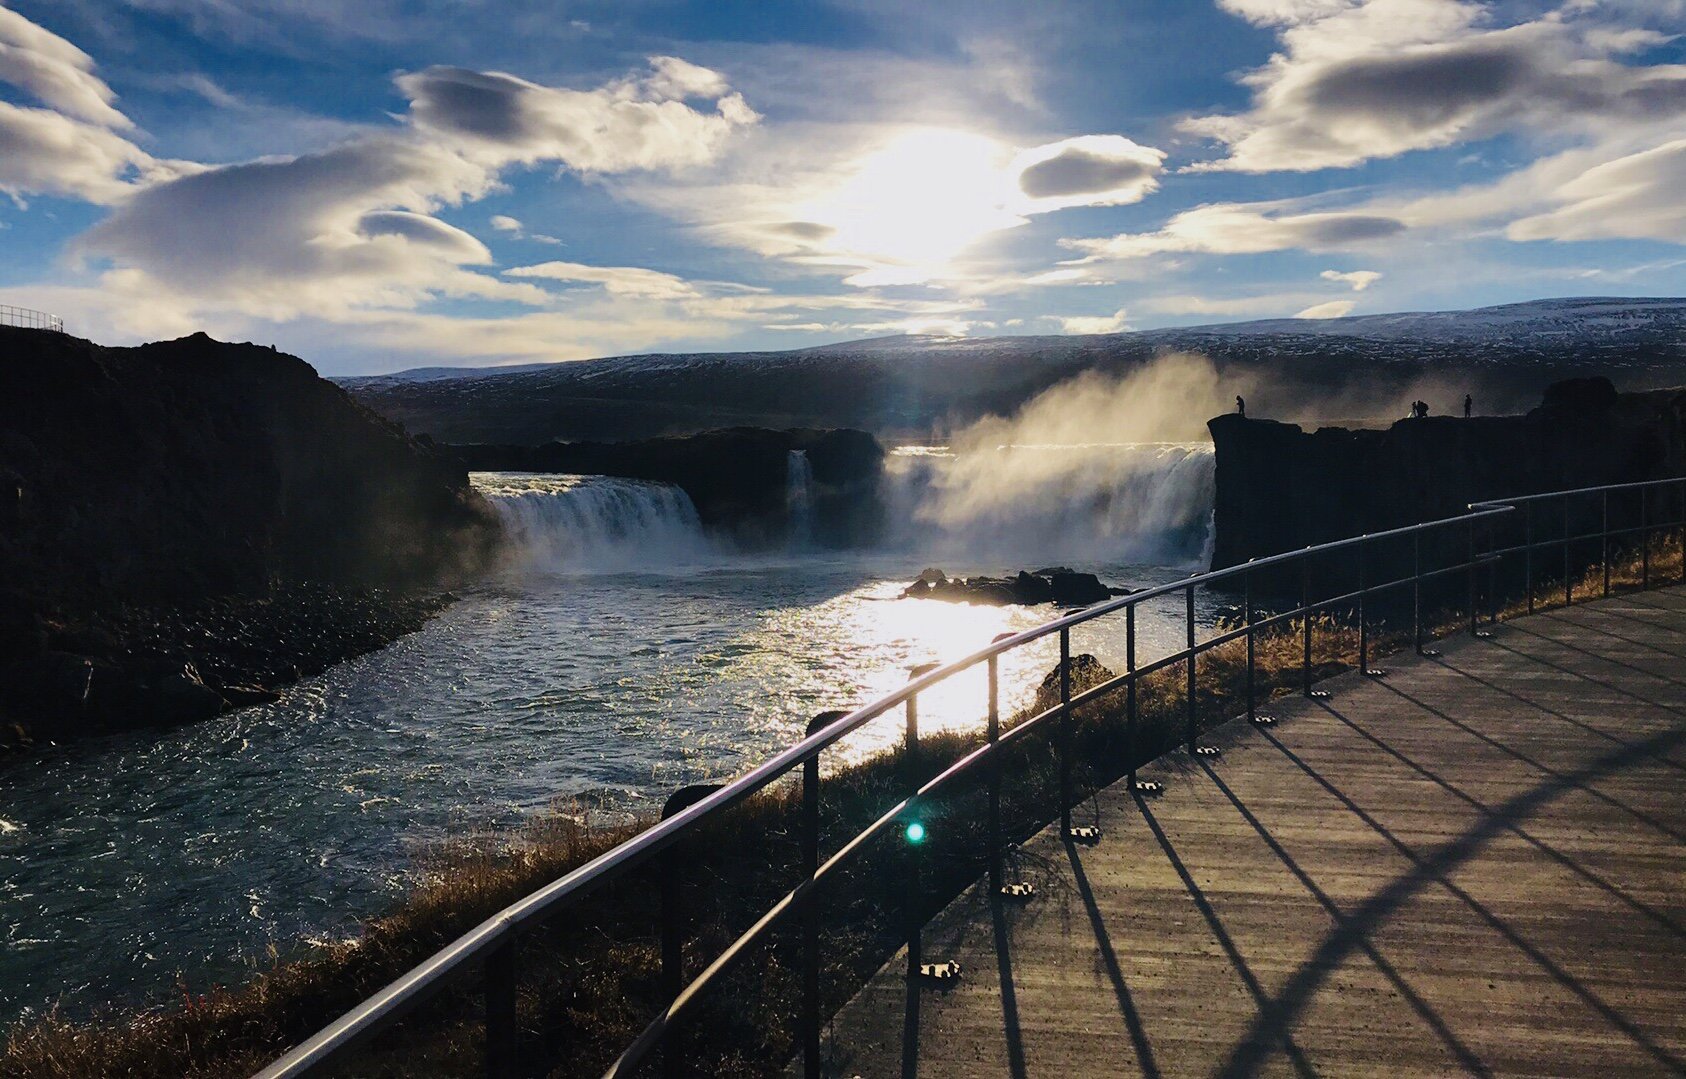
(1045, 504)
(799, 499)
(595, 524)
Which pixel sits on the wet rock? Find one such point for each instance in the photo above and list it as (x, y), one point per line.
(1059, 585)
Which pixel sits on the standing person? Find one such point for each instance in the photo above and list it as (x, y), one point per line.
(1469, 402)
(1240, 405)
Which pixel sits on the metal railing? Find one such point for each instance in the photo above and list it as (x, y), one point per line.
(30, 319)
(490, 947)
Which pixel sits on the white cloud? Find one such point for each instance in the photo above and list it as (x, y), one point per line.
(616, 280)
(505, 223)
(352, 227)
(1356, 81)
(74, 145)
(1265, 305)
(1332, 309)
(1638, 196)
(638, 122)
(1241, 228)
(1358, 279)
(55, 73)
(1117, 322)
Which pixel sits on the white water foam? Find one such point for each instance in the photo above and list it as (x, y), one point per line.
(1148, 502)
(595, 524)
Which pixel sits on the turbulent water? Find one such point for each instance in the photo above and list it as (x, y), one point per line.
(620, 653)
(1139, 502)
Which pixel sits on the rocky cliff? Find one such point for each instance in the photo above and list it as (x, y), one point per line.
(180, 476)
(737, 477)
(1280, 487)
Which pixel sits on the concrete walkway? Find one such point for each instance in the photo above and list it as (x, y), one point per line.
(1474, 865)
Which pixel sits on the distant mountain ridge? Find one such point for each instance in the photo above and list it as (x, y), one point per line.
(926, 384)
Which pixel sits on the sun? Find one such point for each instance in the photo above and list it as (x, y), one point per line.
(910, 207)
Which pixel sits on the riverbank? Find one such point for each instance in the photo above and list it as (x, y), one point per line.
(156, 667)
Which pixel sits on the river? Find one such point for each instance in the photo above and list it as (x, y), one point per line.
(621, 653)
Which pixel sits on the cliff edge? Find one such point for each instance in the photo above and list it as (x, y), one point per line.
(1280, 487)
(147, 494)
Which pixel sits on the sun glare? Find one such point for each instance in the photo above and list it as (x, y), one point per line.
(917, 202)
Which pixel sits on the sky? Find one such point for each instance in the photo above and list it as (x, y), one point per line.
(399, 183)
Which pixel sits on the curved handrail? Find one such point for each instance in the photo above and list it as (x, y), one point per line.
(421, 982)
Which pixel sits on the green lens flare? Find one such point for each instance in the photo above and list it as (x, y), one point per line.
(916, 832)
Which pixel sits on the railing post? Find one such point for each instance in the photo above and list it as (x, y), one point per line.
(1604, 546)
(1065, 731)
(1417, 589)
(915, 863)
(1130, 690)
(1305, 623)
(997, 872)
(1189, 686)
(1492, 573)
(1363, 622)
(1528, 552)
(1473, 627)
(1644, 537)
(673, 919)
(1568, 585)
(1247, 600)
(810, 1021)
(502, 1052)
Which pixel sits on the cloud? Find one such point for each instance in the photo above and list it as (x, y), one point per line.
(1357, 81)
(1638, 196)
(505, 223)
(892, 204)
(1332, 309)
(74, 145)
(636, 122)
(352, 226)
(1090, 170)
(1238, 228)
(1273, 304)
(616, 280)
(1358, 279)
(1117, 322)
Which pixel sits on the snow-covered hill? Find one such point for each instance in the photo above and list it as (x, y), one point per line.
(915, 384)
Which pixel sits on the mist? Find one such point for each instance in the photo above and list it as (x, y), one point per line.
(1098, 469)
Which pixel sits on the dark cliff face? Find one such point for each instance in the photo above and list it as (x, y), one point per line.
(1281, 488)
(735, 476)
(186, 469)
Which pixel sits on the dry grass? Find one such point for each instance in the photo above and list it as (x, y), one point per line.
(589, 981)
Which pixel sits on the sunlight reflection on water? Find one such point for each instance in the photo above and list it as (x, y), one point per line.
(130, 858)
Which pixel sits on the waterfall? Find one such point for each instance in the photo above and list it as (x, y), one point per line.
(799, 499)
(595, 524)
(1044, 504)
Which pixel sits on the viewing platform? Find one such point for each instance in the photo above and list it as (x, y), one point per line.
(1472, 865)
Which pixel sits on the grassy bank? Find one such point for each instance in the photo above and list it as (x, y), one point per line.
(589, 982)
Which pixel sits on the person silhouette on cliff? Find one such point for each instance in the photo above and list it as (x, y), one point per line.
(1469, 403)
(1240, 405)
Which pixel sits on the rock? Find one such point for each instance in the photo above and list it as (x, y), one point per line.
(1086, 671)
(1073, 589)
(1064, 587)
(182, 697)
(246, 696)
